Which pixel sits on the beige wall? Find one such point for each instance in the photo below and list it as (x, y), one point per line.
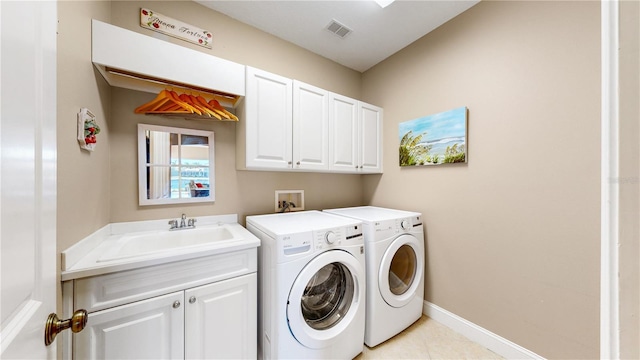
(512, 236)
(629, 180)
(83, 177)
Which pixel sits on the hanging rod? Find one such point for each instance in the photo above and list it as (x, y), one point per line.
(219, 95)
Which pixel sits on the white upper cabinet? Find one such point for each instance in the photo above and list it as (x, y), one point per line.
(343, 127)
(310, 127)
(355, 136)
(370, 142)
(290, 125)
(267, 121)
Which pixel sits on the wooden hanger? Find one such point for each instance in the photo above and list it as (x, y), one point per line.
(162, 97)
(166, 101)
(216, 105)
(169, 102)
(205, 111)
(202, 101)
(205, 106)
(176, 98)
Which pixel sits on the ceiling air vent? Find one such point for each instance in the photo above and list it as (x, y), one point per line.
(338, 28)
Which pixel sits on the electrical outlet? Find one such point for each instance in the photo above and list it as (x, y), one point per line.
(289, 200)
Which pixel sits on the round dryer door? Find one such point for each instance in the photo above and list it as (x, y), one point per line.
(401, 269)
(324, 298)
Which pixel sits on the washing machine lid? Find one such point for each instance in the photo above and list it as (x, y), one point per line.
(276, 225)
(372, 213)
(325, 298)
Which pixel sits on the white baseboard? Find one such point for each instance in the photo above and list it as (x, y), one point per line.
(480, 335)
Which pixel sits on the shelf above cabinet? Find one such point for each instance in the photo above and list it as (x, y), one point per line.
(134, 61)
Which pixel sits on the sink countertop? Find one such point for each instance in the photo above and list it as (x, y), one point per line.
(81, 259)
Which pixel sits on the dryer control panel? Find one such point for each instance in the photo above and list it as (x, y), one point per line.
(389, 228)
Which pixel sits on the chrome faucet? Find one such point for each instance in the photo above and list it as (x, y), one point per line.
(184, 223)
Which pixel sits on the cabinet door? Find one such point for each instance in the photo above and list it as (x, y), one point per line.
(343, 133)
(221, 320)
(268, 117)
(310, 127)
(147, 329)
(370, 142)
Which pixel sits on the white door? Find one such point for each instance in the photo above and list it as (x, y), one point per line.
(343, 133)
(310, 127)
(221, 319)
(27, 176)
(325, 298)
(370, 143)
(268, 117)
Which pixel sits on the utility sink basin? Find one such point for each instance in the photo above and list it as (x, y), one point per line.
(153, 242)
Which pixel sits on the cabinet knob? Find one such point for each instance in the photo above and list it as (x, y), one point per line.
(289, 162)
(298, 163)
(176, 304)
(192, 300)
(54, 325)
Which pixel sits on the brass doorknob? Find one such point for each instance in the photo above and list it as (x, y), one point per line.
(54, 325)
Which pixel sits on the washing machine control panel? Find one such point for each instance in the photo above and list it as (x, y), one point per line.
(334, 237)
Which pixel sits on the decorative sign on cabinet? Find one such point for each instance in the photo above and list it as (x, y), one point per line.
(292, 126)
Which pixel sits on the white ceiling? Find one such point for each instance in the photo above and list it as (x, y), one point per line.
(377, 32)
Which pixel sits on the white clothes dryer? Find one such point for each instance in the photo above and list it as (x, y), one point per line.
(311, 285)
(394, 247)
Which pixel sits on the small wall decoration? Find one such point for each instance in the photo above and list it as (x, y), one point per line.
(87, 129)
(435, 139)
(163, 24)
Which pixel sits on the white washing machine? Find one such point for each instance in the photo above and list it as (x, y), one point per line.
(394, 247)
(311, 287)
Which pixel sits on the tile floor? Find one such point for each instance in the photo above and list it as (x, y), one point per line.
(428, 339)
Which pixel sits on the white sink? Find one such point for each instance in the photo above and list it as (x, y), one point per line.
(153, 242)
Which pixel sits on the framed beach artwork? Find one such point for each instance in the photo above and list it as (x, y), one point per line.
(435, 139)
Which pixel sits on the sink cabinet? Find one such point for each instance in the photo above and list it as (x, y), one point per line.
(202, 308)
(288, 125)
(146, 329)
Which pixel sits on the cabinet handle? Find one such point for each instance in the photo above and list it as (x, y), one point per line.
(54, 325)
(192, 300)
(176, 304)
